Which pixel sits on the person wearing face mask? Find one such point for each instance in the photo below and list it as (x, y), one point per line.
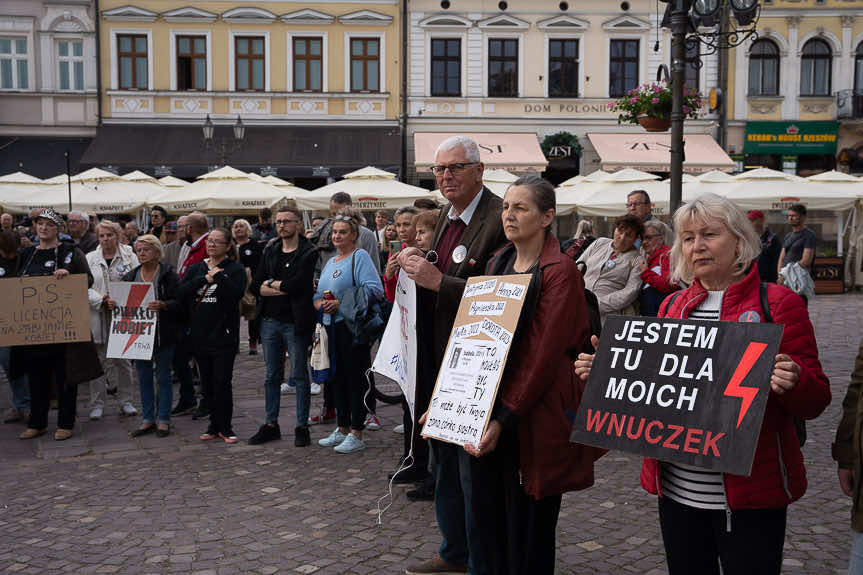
(108, 263)
(613, 271)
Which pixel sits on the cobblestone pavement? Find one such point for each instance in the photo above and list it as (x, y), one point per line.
(102, 502)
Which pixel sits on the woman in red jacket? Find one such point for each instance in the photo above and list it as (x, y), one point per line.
(708, 517)
(655, 269)
(525, 461)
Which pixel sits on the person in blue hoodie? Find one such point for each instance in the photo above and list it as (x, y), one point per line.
(211, 291)
(348, 268)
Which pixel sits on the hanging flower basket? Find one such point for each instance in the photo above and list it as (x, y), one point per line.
(654, 124)
(649, 105)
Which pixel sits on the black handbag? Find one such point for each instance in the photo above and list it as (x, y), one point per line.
(82, 362)
(362, 317)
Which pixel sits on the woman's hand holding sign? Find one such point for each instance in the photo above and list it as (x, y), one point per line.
(786, 374)
(488, 443)
(585, 360)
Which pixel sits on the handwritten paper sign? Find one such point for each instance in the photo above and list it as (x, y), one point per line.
(41, 310)
(133, 326)
(475, 357)
(397, 353)
(686, 391)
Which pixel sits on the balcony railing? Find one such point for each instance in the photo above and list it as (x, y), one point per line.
(849, 104)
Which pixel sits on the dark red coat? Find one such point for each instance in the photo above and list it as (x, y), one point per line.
(539, 384)
(778, 475)
(196, 255)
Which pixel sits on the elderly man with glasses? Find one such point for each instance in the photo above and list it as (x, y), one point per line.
(79, 229)
(468, 232)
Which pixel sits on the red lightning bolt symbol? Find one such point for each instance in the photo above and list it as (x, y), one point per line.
(746, 394)
(136, 296)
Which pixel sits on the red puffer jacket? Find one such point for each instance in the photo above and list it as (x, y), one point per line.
(660, 281)
(539, 384)
(778, 475)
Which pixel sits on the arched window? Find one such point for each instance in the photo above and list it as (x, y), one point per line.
(764, 69)
(815, 65)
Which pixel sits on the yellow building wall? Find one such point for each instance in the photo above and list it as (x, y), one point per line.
(278, 63)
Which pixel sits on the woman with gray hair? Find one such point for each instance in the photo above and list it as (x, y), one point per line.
(656, 268)
(109, 262)
(707, 517)
(250, 251)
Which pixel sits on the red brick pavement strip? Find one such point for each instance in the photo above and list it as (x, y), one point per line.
(102, 502)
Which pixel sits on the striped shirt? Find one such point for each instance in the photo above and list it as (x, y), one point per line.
(687, 484)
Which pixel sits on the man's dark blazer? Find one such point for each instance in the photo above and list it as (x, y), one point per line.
(482, 238)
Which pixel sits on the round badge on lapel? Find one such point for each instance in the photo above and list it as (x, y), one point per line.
(49, 264)
(337, 273)
(248, 252)
(2, 272)
(459, 254)
(749, 317)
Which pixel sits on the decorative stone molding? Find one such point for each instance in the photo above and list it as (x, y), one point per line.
(816, 107)
(446, 21)
(365, 108)
(366, 18)
(307, 16)
(847, 21)
(564, 23)
(793, 21)
(191, 105)
(502, 22)
(307, 107)
(248, 16)
(189, 14)
(445, 107)
(131, 105)
(624, 23)
(129, 14)
(762, 108)
(250, 105)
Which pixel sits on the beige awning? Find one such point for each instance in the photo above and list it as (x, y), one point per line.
(651, 152)
(514, 152)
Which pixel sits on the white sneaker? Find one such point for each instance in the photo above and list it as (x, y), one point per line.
(350, 445)
(400, 428)
(315, 388)
(372, 422)
(333, 439)
(96, 414)
(285, 388)
(128, 409)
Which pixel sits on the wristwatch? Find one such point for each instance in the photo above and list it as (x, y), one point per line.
(270, 283)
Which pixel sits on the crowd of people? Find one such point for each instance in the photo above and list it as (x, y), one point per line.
(496, 503)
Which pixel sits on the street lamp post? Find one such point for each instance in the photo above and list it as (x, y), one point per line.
(223, 146)
(696, 23)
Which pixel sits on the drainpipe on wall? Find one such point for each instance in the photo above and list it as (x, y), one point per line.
(403, 172)
(97, 18)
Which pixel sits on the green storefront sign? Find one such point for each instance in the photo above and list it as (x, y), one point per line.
(791, 138)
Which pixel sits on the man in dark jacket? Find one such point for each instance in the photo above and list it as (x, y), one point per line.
(284, 281)
(79, 229)
(467, 234)
(771, 247)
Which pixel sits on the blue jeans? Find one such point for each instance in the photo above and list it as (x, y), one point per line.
(20, 386)
(855, 565)
(452, 503)
(277, 338)
(163, 358)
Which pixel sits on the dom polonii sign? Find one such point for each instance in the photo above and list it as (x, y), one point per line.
(684, 391)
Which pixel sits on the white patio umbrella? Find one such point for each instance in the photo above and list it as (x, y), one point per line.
(607, 197)
(19, 178)
(289, 189)
(95, 175)
(20, 192)
(765, 189)
(370, 189)
(498, 180)
(139, 176)
(172, 182)
(573, 190)
(221, 192)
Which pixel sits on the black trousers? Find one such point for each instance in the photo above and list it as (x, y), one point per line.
(254, 330)
(217, 368)
(518, 532)
(698, 540)
(349, 384)
(181, 360)
(45, 366)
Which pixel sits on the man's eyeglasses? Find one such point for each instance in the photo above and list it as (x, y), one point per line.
(454, 169)
(286, 222)
(634, 204)
(341, 218)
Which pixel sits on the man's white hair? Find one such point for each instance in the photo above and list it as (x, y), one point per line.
(471, 150)
(84, 215)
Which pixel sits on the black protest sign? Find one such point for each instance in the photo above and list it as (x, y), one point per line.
(685, 391)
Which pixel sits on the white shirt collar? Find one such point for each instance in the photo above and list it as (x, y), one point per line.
(467, 213)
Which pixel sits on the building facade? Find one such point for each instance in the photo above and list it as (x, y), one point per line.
(794, 92)
(316, 85)
(504, 68)
(48, 83)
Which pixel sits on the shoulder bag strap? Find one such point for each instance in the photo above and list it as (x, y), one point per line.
(765, 303)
